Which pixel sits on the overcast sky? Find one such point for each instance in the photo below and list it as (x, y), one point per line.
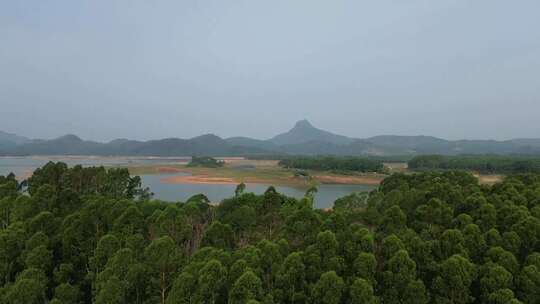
(153, 69)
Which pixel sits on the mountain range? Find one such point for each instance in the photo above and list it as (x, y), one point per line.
(302, 139)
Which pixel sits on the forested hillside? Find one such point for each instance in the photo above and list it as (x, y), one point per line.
(91, 235)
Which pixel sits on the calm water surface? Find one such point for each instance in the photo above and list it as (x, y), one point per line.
(324, 198)
(23, 166)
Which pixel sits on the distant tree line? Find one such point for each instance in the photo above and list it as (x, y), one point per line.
(205, 161)
(333, 163)
(283, 156)
(480, 163)
(425, 238)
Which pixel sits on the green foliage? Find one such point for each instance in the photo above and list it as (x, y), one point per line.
(163, 257)
(433, 237)
(183, 289)
(219, 235)
(365, 267)
(112, 292)
(66, 293)
(329, 289)
(205, 162)
(480, 163)
(455, 278)
(502, 296)
(361, 292)
(332, 163)
(239, 189)
(353, 201)
(247, 287)
(212, 281)
(115, 183)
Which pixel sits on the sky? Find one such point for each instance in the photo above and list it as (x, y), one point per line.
(105, 69)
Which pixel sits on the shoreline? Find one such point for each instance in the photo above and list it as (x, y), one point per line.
(228, 176)
(197, 180)
(239, 170)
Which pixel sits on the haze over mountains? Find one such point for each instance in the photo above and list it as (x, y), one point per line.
(303, 139)
(8, 140)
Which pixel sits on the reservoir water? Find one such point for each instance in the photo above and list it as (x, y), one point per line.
(324, 198)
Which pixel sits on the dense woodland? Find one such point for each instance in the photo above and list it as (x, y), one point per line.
(333, 163)
(90, 235)
(480, 163)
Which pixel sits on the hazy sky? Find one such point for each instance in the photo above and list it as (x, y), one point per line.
(154, 69)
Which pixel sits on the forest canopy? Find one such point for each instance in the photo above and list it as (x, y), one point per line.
(479, 163)
(92, 235)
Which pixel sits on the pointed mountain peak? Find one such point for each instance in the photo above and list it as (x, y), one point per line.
(69, 137)
(304, 132)
(303, 124)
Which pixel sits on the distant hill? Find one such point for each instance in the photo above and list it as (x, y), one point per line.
(8, 140)
(302, 139)
(304, 132)
(251, 142)
(531, 142)
(65, 145)
(73, 145)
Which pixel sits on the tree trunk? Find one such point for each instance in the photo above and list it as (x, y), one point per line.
(163, 288)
